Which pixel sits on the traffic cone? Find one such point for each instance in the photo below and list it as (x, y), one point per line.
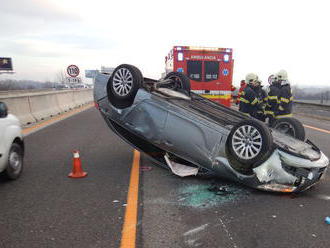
(77, 171)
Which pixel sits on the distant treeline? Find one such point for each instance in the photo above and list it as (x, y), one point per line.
(9, 84)
(311, 93)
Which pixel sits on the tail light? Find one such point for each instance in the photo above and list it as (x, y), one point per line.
(96, 105)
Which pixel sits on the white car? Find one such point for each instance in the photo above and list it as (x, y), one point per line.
(11, 144)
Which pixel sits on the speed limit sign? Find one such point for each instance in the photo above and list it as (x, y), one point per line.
(73, 70)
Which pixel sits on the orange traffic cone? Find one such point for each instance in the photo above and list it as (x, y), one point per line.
(77, 171)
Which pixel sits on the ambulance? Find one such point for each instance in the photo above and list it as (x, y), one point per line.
(209, 69)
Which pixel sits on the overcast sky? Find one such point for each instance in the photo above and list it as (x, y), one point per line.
(45, 36)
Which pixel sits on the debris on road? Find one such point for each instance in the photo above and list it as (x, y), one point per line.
(145, 168)
(200, 195)
(220, 190)
(181, 169)
(327, 220)
(115, 201)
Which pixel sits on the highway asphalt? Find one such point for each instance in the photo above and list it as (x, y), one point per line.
(45, 208)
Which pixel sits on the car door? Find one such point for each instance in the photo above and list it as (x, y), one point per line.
(147, 119)
(3, 145)
(192, 138)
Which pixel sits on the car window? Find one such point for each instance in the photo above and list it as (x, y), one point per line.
(211, 69)
(194, 70)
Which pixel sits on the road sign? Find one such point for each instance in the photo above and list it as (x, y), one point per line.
(6, 64)
(73, 70)
(73, 80)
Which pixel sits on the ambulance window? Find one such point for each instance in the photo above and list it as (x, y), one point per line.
(194, 70)
(211, 70)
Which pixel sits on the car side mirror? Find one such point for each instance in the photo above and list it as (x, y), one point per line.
(3, 110)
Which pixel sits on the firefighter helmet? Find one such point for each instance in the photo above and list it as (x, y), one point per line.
(282, 75)
(251, 77)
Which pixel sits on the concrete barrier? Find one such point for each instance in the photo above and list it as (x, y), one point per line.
(20, 106)
(65, 101)
(86, 96)
(30, 107)
(82, 97)
(78, 99)
(44, 106)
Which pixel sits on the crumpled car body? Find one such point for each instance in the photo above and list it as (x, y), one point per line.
(196, 130)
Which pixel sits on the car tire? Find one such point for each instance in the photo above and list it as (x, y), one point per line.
(15, 162)
(291, 127)
(249, 144)
(123, 85)
(138, 72)
(180, 82)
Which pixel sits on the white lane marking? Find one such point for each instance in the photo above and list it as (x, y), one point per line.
(228, 233)
(323, 197)
(195, 230)
(192, 243)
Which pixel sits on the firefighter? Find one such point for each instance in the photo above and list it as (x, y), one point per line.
(272, 105)
(248, 100)
(285, 99)
(262, 101)
(243, 85)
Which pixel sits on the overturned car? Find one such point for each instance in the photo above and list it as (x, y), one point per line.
(163, 119)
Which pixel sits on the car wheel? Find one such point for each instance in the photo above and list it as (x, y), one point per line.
(249, 143)
(15, 162)
(291, 127)
(123, 85)
(180, 82)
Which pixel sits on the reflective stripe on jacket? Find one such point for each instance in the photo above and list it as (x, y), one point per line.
(248, 101)
(272, 100)
(285, 102)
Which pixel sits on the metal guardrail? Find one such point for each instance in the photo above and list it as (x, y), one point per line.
(312, 109)
(313, 102)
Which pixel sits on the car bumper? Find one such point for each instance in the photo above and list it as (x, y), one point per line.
(284, 172)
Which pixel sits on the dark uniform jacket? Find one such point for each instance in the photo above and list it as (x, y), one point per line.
(248, 101)
(262, 97)
(273, 100)
(285, 102)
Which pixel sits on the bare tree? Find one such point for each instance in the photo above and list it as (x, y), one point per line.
(61, 77)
